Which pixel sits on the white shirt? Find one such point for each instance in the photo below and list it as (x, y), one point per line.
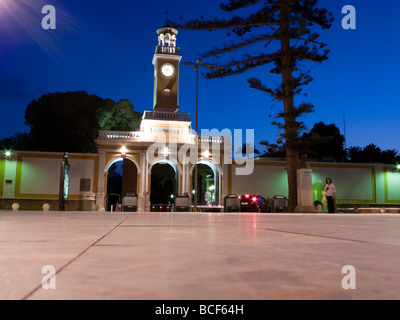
(330, 190)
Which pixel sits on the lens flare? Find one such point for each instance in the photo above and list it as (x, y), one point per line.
(21, 22)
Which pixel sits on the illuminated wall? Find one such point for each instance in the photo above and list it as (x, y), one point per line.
(392, 185)
(352, 181)
(268, 179)
(37, 175)
(34, 175)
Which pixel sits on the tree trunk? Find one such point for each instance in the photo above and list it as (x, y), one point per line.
(292, 156)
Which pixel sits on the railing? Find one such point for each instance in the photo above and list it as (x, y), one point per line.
(157, 115)
(167, 49)
(118, 135)
(211, 139)
(142, 137)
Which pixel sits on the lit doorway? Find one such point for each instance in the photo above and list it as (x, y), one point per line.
(208, 183)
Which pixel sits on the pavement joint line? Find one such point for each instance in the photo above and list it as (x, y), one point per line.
(316, 235)
(27, 296)
(162, 226)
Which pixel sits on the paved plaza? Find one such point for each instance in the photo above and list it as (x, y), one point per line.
(186, 256)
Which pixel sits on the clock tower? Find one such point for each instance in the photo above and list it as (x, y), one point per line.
(166, 71)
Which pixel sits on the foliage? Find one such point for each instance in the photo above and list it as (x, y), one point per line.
(372, 154)
(19, 141)
(324, 142)
(70, 121)
(248, 150)
(64, 121)
(121, 117)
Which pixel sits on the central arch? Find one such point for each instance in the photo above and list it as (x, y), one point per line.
(164, 182)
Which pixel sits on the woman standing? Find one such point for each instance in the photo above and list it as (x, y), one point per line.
(330, 190)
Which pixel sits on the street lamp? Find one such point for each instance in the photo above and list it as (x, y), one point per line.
(212, 189)
(197, 65)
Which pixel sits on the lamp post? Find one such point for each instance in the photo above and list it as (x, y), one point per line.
(197, 65)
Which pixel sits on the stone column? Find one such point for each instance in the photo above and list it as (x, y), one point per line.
(142, 184)
(304, 192)
(100, 196)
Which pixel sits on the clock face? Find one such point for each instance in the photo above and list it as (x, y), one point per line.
(167, 70)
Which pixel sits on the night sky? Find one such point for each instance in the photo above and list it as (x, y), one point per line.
(106, 48)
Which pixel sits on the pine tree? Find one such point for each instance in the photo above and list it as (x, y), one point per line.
(288, 24)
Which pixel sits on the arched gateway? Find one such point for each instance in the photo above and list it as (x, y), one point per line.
(151, 158)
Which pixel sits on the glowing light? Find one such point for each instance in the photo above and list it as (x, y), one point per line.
(206, 154)
(123, 150)
(8, 153)
(398, 167)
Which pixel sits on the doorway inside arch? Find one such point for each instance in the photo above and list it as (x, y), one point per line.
(121, 179)
(164, 185)
(208, 183)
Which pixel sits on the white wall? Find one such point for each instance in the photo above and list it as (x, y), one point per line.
(269, 179)
(352, 183)
(393, 183)
(41, 175)
(10, 169)
(266, 180)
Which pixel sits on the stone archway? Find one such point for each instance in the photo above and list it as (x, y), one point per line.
(121, 178)
(208, 181)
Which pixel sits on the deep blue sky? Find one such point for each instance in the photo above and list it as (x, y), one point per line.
(106, 48)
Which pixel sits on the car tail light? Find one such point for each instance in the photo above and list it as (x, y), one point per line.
(247, 196)
(254, 199)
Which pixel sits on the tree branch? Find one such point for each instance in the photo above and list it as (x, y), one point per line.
(228, 48)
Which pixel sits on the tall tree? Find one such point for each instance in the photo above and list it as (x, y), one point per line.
(65, 122)
(70, 121)
(288, 24)
(121, 117)
(325, 142)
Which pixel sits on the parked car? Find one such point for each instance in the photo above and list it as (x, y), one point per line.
(254, 203)
(160, 208)
(213, 206)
